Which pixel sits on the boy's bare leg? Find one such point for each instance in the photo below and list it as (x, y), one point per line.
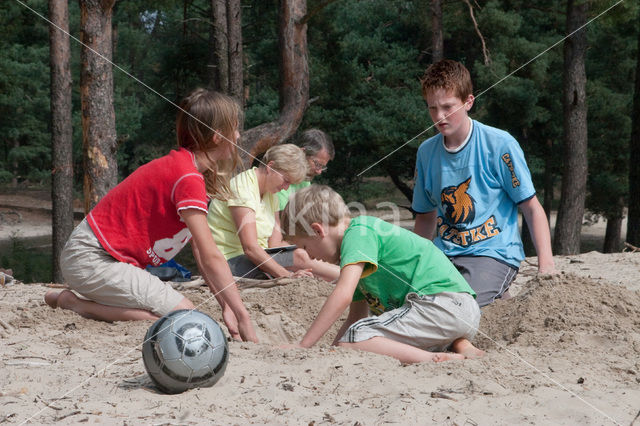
(402, 352)
(96, 311)
(466, 348)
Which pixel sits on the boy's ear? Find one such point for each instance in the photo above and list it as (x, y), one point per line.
(469, 102)
(318, 229)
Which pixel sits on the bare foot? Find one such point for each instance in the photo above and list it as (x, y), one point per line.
(465, 348)
(60, 299)
(51, 297)
(445, 356)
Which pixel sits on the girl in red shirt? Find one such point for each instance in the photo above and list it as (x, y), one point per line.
(148, 217)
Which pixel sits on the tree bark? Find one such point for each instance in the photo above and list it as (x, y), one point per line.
(221, 44)
(234, 25)
(294, 83)
(613, 234)
(96, 94)
(61, 132)
(547, 203)
(633, 220)
(574, 178)
(437, 43)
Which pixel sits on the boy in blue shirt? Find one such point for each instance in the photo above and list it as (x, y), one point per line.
(470, 180)
(421, 304)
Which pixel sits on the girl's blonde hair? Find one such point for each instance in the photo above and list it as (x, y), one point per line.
(203, 114)
(313, 204)
(288, 159)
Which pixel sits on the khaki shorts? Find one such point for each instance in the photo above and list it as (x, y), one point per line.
(431, 322)
(91, 271)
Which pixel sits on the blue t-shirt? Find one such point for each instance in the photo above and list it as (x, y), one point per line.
(476, 192)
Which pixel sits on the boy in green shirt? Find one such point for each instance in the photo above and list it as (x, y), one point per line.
(422, 306)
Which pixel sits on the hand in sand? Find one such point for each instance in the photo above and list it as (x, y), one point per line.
(300, 273)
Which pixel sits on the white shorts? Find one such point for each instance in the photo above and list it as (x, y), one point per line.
(431, 322)
(92, 272)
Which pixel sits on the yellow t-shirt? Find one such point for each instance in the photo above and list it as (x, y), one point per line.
(246, 194)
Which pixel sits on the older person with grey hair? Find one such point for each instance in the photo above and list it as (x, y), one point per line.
(246, 228)
(319, 150)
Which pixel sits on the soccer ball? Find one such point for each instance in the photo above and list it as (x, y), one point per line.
(185, 349)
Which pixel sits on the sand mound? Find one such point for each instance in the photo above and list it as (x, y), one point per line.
(559, 309)
(282, 313)
(564, 351)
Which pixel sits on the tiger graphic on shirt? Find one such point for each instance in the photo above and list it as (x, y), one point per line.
(458, 208)
(458, 205)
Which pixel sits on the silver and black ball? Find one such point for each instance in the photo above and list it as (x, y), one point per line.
(185, 349)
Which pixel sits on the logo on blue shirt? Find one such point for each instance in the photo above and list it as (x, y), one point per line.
(459, 209)
(458, 205)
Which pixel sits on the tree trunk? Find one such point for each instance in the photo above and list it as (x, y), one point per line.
(437, 43)
(212, 73)
(547, 203)
(61, 132)
(294, 83)
(406, 190)
(96, 94)
(612, 237)
(221, 44)
(574, 177)
(633, 221)
(234, 24)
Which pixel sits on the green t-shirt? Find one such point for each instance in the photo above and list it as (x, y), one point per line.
(397, 262)
(283, 196)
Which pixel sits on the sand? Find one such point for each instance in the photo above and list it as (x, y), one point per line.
(565, 350)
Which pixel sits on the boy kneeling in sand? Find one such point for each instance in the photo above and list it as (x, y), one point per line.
(422, 306)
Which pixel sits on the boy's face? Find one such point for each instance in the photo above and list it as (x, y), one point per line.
(321, 247)
(449, 112)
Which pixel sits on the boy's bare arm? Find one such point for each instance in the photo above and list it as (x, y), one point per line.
(357, 311)
(335, 304)
(539, 228)
(425, 224)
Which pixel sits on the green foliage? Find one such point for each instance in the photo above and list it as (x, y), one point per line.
(365, 60)
(610, 94)
(24, 94)
(364, 82)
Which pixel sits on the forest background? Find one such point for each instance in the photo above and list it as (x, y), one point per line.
(348, 67)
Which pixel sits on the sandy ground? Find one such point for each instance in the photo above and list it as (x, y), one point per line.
(565, 350)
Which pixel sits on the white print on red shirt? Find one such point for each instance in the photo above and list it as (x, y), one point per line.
(167, 248)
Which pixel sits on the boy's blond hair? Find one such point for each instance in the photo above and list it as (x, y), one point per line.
(313, 204)
(449, 75)
(288, 159)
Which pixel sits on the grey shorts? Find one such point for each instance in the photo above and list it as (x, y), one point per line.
(242, 266)
(489, 278)
(91, 271)
(432, 322)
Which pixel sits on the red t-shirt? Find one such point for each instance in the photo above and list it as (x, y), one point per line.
(137, 222)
